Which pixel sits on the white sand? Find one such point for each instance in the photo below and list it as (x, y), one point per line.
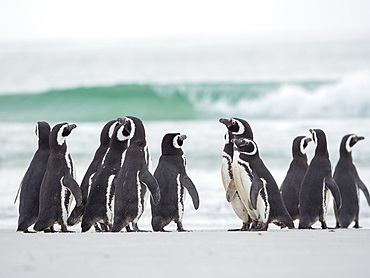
(217, 253)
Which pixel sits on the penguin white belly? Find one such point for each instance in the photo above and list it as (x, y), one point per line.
(180, 198)
(236, 203)
(109, 200)
(140, 207)
(325, 201)
(263, 205)
(63, 194)
(243, 186)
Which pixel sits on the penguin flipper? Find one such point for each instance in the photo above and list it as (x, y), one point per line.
(151, 183)
(256, 188)
(190, 187)
(332, 186)
(71, 184)
(19, 190)
(230, 191)
(362, 186)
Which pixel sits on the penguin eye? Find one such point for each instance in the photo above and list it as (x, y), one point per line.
(233, 122)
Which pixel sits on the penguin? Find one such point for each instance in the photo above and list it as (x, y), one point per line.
(228, 177)
(29, 188)
(349, 183)
(265, 197)
(314, 195)
(172, 180)
(297, 169)
(100, 153)
(239, 186)
(133, 181)
(57, 183)
(99, 204)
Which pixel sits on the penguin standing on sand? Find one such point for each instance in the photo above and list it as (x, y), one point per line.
(100, 153)
(134, 179)
(265, 197)
(58, 182)
(238, 188)
(30, 186)
(228, 177)
(100, 201)
(297, 169)
(349, 183)
(318, 181)
(172, 180)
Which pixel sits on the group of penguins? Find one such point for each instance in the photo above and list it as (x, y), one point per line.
(116, 185)
(118, 181)
(304, 193)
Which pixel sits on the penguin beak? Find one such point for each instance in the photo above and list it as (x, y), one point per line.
(308, 140)
(183, 137)
(226, 122)
(311, 131)
(359, 138)
(239, 142)
(120, 120)
(71, 127)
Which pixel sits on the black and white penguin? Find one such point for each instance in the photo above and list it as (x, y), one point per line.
(228, 178)
(58, 182)
(99, 207)
(29, 188)
(316, 184)
(241, 184)
(265, 197)
(172, 180)
(297, 169)
(134, 179)
(100, 153)
(349, 183)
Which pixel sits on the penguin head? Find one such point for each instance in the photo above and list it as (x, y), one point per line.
(134, 128)
(246, 146)
(42, 132)
(172, 143)
(319, 138)
(348, 141)
(300, 144)
(60, 132)
(120, 132)
(238, 127)
(107, 132)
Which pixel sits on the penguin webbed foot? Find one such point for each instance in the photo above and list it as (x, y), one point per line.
(65, 230)
(137, 230)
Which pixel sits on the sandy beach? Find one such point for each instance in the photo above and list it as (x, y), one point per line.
(201, 253)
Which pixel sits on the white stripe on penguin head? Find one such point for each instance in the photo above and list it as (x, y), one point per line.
(111, 129)
(60, 138)
(241, 128)
(302, 147)
(175, 142)
(348, 143)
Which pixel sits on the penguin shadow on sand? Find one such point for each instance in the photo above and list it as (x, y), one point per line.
(316, 185)
(58, 182)
(172, 180)
(29, 189)
(349, 183)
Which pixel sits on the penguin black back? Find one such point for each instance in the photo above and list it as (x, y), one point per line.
(58, 182)
(313, 198)
(172, 180)
(349, 182)
(30, 185)
(297, 169)
(100, 153)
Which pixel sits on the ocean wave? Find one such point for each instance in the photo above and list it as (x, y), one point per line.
(345, 98)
